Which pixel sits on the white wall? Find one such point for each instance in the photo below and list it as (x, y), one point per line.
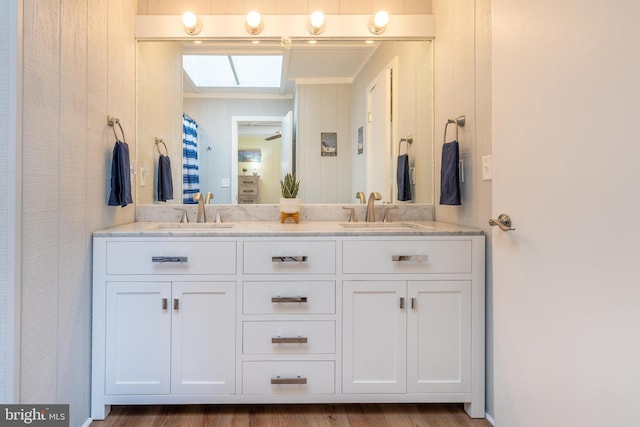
(78, 67)
(8, 87)
(324, 108)
(281, 7)
(463, 87)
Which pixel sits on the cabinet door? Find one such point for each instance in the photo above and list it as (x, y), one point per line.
(203, 341)
(138, 328)
(439, 336)
(374, 337)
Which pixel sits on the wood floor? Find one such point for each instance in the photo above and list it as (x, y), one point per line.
(351, 415)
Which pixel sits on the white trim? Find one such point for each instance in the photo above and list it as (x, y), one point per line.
(87, 423)
(158, 27)
(489, 418)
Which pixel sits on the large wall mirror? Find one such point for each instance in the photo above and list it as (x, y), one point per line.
(338, 113)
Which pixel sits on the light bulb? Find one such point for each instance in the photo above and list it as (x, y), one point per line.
(189, 19)
(317, 18)
(253, 19)
(381, 19)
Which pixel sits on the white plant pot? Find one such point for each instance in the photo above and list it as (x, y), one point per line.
(289, 205)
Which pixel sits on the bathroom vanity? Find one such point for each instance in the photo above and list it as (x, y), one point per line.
(262, 312)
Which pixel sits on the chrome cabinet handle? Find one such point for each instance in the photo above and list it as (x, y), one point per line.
(413, 303)
(401, 302)
(289, 258)
(297, 380)
(289, 340)
(503, 222)
(164, 303)
(410, 258)
(169, 259)
(176, 304)
(288, 299)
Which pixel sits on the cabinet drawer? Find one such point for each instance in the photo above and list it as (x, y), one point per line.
(289, 337)
(288, 377)
(171, 257)
(395, 256)
(247, 180)
(309, 297)
(289, 257)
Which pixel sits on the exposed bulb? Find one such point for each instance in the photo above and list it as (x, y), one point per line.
(253, 19)
(317, 18)
(381, 19)
(189, 19)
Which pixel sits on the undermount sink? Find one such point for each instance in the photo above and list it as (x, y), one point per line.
(382, 225)
(194, 225)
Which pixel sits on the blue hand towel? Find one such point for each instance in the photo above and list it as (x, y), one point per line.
(450, 174)
(404, 181)
(120, 176)
(165, 181)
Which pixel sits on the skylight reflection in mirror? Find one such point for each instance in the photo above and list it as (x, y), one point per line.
(252, 71)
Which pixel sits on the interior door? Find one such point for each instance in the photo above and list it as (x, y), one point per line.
(566, 295)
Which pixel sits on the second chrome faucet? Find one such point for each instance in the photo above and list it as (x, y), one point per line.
(371, 214)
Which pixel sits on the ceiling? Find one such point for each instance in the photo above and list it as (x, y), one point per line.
(322, 62)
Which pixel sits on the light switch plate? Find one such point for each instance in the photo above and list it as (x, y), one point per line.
(224, 183)
(487, 168)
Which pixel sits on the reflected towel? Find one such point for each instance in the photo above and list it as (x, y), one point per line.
(165, 181)
(450, 174)
(404, 181)
(120, 176)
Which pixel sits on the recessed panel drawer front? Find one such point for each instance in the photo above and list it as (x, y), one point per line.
(309, 297)
(170, 257)
(289, 257)
(305, 337)
(395, 256)
(288, 377)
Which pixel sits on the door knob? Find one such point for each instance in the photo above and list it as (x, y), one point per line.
(503, 221)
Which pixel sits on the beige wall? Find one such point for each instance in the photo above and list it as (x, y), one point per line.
(268, 168)
(282, 7)
(78, 67)
(463, 87)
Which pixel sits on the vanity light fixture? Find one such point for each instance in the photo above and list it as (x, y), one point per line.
(378, 22)
(192, 24)
(315, 25)
(254, 24)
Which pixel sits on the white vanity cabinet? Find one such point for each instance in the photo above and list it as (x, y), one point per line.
(169, 338)
(289, 318)
(243, 317)
(407, 336)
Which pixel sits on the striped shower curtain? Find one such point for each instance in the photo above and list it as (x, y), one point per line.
(190, 174)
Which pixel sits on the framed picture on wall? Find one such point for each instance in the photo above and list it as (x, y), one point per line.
(328, 144)
(360, 139)
(249, 155)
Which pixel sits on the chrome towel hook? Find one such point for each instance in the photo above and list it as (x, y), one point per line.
(459, 122)
(112, 121)
(160, 141)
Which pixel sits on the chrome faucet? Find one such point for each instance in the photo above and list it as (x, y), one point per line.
(360, 196)
(371, 215)
(202, 216)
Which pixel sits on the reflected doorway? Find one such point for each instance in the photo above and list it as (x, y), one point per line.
(262, 152)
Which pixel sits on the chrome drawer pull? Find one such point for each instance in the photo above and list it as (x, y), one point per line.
(289, 340)
(297, 380)
(288, 299)
(164, 303)
(413, 258)
(169, 259)
(289, 258)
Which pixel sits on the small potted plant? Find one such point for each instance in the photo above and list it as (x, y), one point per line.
(289, 202)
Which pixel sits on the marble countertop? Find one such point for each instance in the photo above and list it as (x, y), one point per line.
(276, 229)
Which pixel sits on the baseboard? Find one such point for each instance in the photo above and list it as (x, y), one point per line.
(490, 419)
(87, 423)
